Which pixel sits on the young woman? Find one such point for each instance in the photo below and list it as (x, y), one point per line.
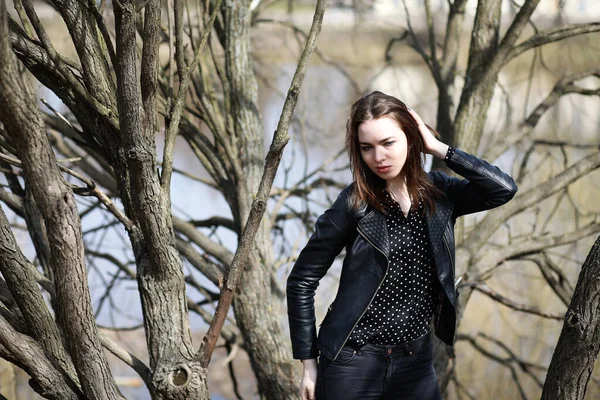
(396, 223)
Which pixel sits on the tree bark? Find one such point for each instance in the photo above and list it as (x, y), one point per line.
(21, 282)
(25, 352)
(54, 197)
(579, 342)
(260, 325)
(176, 372)
(479, 82)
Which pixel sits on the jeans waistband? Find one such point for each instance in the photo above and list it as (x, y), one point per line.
(405, 348)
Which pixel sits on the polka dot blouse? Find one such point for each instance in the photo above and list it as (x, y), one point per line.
(402, 308)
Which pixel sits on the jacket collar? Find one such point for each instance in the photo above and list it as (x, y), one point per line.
(373, 227)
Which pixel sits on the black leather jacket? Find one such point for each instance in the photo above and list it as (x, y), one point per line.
(363, 232)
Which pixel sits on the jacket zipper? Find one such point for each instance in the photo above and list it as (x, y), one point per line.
(372, 298)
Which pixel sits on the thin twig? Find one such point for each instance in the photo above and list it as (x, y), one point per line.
(485, 289)
(280, 139)
(90, 190)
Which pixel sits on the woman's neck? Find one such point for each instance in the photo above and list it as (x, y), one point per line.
(397, 187)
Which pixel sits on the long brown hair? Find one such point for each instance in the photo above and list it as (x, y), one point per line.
(368, 186)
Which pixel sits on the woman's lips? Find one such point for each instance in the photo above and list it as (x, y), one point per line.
(385, 168)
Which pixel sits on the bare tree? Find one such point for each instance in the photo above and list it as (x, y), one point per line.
(205, 92)
(116, 110)
(579, 343)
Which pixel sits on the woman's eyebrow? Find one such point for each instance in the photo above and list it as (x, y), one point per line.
(381, 141)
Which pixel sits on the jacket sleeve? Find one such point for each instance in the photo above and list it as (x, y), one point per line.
(332, 230)
(485, 186)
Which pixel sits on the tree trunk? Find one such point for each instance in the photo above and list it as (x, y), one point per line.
(579, 342)
(176, 373)
(253, 303)
(25, 127)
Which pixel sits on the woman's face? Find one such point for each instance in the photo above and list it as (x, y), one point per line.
(383, 146)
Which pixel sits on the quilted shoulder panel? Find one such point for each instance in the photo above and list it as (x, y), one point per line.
(374, 227)
(436, 224)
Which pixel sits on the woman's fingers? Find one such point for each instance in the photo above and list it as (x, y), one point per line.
(303, 394)
(416, 116)
(429, 140)
(307, 392)
(309, 377)
(307, 389)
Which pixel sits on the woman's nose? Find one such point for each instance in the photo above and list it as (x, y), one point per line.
(379, 154)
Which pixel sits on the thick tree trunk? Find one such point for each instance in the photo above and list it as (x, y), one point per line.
(579, 342)
(263, 335)
(253, 304)
(480, 82)
(20, 280)
(26, 128)
(176, 373)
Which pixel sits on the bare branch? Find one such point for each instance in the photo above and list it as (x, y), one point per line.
(508, 362)
(14, 202)
(327, 60)
(214, 222)
(135, 363)
(214, 249)
(150, 63)
(166, 320)
(552, 35)
(485, 289)
(96, 12)
(24, 123)
(89, 37)
(202, 264)
(494, 258)
(415, 44)
(98, 87)
(185, 73)
(91, 190)
(514, 31)
(22, 283)
(196, 178)
(30, 356)
(549, 270)
(280, 139)
(563, 87)
(528, 197)
(431, 35)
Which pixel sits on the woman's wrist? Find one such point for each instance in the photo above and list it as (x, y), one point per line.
(439, 150)
(309, 362)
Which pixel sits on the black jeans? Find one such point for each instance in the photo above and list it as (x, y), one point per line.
(386, 372)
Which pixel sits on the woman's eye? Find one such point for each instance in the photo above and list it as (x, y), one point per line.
(389, 143)
(365, 148)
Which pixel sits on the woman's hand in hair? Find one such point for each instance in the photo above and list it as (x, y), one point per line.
(309, 379)
(430, 142)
